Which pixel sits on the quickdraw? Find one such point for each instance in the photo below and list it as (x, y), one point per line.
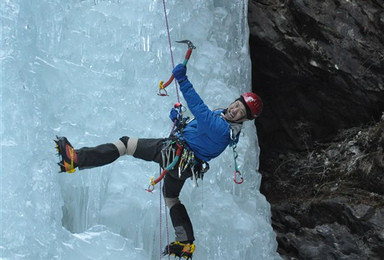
(154, 181)
(187, 160)
(162, 85)
(237, 173)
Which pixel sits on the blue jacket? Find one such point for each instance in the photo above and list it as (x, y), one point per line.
(208, 134)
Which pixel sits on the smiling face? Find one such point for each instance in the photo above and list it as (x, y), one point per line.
(236, 112)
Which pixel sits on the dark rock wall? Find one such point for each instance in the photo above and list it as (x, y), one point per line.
(319, 68)
(329, 203)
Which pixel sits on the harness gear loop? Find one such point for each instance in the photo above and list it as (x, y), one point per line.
(163, 85)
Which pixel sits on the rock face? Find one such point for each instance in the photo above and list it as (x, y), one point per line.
(329, 203)
(319, 68)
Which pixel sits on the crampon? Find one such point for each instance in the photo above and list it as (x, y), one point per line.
(179, 249)
(67, 153)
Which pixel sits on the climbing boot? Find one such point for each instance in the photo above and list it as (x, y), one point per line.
(68, 155)
(180, 249)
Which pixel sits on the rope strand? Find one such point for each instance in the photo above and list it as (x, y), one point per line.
(166, 224)
(178, 100)
(170, 46)
(161, 223)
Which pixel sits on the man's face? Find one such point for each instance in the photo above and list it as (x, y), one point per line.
(236, 112)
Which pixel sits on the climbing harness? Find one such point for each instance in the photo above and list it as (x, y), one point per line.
(175, 152)
(237, 176)
(162, 85)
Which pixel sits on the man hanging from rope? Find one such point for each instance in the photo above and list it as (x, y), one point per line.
(195, 143)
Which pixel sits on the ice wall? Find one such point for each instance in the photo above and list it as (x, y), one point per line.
(89, 70)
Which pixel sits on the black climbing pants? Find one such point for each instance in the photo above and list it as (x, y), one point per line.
(148, 150)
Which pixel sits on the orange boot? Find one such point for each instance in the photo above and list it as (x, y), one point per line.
(180, 249)
(68, 155)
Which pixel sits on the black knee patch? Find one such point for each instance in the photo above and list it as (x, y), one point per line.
(125, 139)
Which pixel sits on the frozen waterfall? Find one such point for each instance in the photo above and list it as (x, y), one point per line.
(89, 70)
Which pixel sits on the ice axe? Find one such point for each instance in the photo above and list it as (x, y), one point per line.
(162, 85)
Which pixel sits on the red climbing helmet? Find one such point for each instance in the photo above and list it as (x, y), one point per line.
(253, 104)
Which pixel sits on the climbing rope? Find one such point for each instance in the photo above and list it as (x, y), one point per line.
(161, 223)
(170, 46)
(178, 100)
(163, 92)
(166, 221)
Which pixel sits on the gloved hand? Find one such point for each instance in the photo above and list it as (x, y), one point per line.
(174, 115)
(179, 72)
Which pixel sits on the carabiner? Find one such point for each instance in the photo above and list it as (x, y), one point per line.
(162, 91)
(151, 186)
(236, 174)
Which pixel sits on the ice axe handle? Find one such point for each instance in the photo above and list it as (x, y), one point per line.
(187, 56)
(168, 82)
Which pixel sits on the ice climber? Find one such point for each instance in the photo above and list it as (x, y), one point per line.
(198, 141)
